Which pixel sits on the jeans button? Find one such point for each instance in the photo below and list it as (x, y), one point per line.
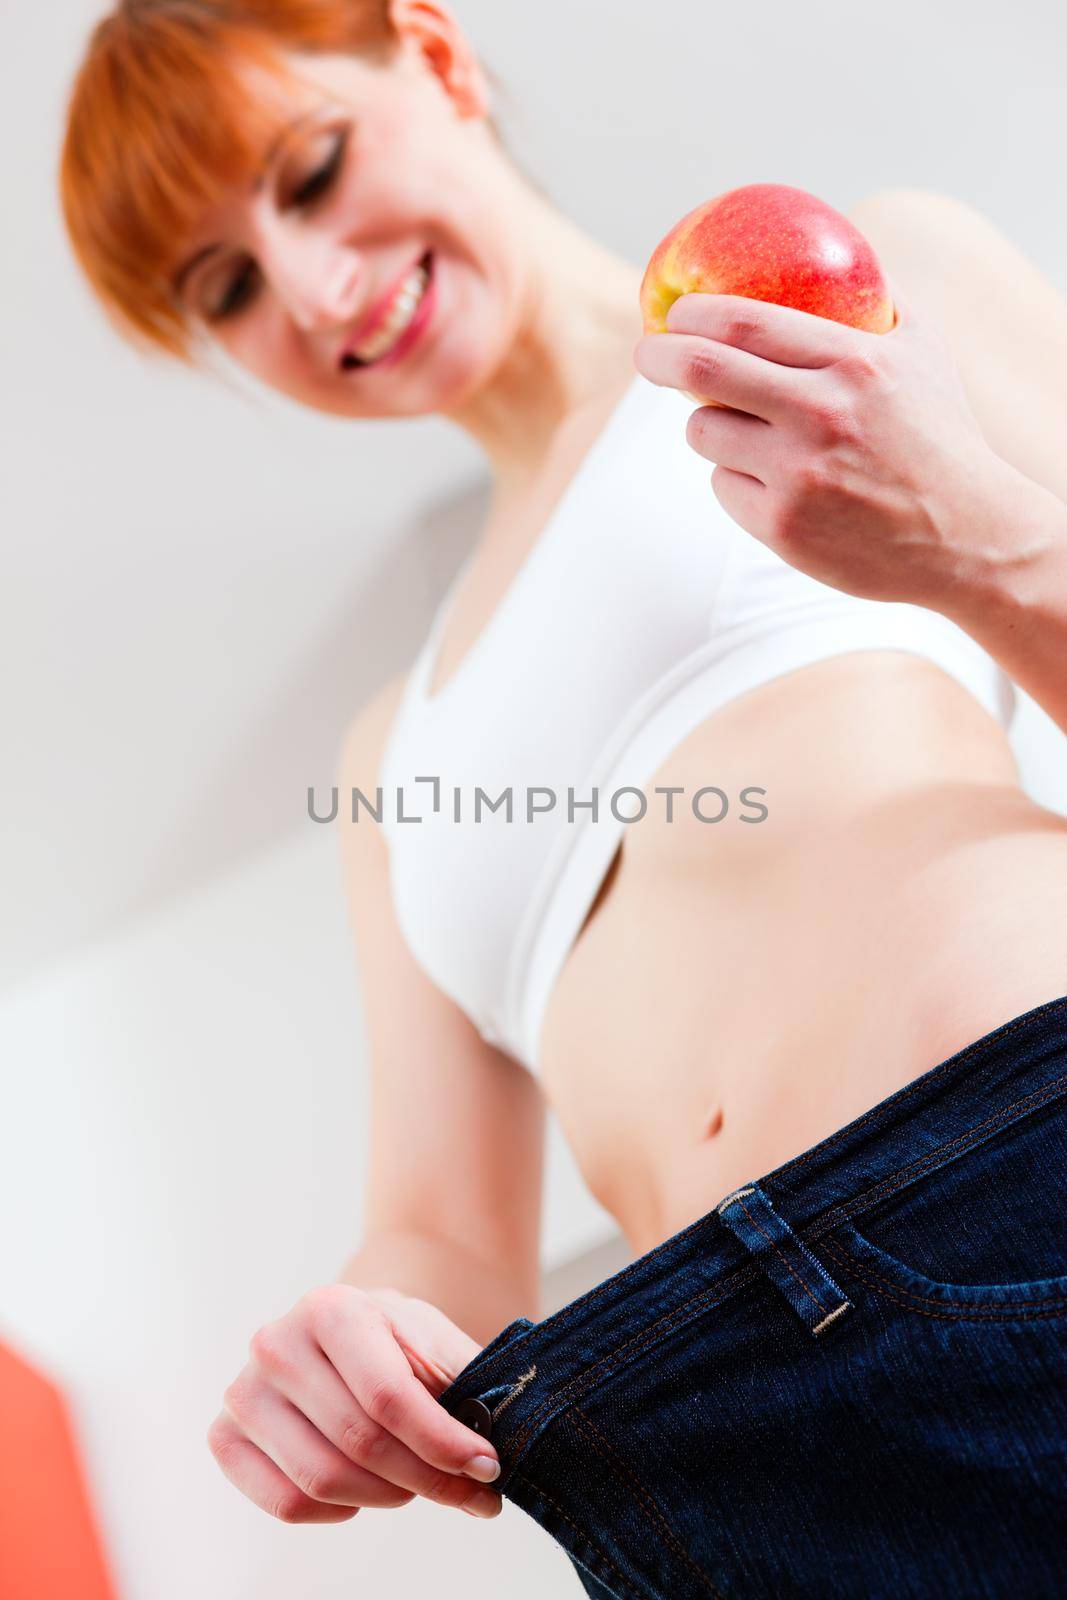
(475, 1414)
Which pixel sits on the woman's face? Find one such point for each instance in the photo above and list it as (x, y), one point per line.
(385, 194)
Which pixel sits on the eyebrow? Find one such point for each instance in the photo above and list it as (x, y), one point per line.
(179, 278)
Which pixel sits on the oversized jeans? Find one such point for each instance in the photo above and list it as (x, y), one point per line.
(847, 1379)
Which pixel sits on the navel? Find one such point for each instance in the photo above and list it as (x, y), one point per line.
(713, 1122)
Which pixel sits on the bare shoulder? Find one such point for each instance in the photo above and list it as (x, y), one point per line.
(908, 209)
(944, 248)
(357, 766)
(359, 756)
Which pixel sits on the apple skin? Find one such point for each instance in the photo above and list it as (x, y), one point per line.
(768, 241)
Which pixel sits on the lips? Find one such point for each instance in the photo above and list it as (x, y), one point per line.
(374, 318)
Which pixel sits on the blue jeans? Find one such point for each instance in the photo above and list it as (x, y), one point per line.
(847, 1379)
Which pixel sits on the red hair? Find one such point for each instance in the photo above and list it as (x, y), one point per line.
(160, 124)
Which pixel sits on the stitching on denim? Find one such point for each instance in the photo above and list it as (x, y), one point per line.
(730, 1198)
(826, 1321)
(625, 1590)
(923, 1081)
(516, 1389)
(1007, 1311)
(776, 1247)
(715, 1294)
(903, 1175)
(607, 1450)
(722, 1291)
(565, 1315)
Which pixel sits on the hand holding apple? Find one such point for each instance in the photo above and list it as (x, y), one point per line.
(771, 242)
(841, 428)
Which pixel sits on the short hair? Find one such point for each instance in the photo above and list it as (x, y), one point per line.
(160, 125)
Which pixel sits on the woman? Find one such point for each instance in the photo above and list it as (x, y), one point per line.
(842, 969)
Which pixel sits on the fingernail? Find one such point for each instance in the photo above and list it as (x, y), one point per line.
(484, 1504)
(484, 1468)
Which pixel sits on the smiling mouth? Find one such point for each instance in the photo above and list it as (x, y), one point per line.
(402, 314)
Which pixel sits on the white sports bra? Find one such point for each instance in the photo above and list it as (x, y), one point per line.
(640, 609)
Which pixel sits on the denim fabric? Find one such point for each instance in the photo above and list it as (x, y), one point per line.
(847, 1379)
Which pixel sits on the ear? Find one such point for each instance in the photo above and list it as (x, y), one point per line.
(430, 31)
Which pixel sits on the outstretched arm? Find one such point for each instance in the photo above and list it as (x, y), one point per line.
(1006, 326)
(1005, 323)
(1020, 615)
(866, 461)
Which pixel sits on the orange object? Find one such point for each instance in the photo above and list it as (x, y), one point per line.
(50, 1548)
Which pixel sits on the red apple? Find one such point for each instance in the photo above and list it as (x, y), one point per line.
(768, 241)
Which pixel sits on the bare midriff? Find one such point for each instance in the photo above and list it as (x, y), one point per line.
(741, 990)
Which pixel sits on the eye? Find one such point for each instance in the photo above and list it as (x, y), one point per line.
(323, 177)
(241, 287)
(238, 292)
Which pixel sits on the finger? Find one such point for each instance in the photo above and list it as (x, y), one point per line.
(733, 439)
(265, 1484)
(917, 318)
(777, 333)
(710, 371)
(742, 498)
(902, 305)
(319, 1394)
(371, 1364)
(318, 1469)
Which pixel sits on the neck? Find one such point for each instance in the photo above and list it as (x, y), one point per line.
(577, 325)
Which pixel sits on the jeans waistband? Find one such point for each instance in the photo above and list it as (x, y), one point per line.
(531, 1370)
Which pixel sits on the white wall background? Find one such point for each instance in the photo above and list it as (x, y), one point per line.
(199, 587)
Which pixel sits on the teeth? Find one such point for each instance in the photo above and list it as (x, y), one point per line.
(399, 318)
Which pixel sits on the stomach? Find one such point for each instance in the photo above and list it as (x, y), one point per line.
(739, 992)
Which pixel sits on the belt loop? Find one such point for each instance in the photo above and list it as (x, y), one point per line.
(787, 1262)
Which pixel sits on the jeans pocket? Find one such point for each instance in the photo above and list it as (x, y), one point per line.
(974, 1227)
(1021, 1300)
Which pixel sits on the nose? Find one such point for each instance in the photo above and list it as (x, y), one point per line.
(318, 277)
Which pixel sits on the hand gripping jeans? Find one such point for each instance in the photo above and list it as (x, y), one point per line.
(847, 1379)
